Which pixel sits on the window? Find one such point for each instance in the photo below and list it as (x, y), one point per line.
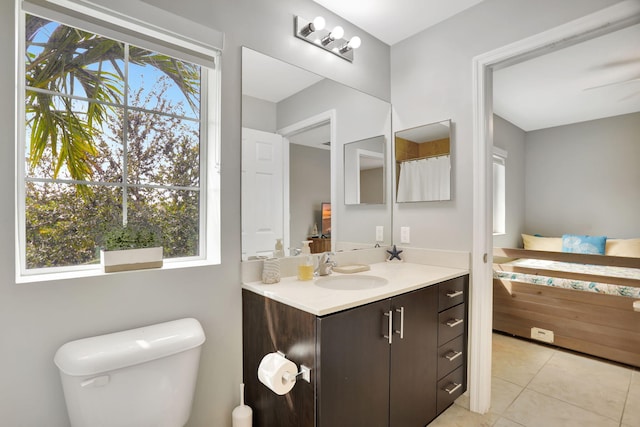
(113, 133)
(499, 191)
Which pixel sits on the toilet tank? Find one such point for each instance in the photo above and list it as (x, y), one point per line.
(142, 377)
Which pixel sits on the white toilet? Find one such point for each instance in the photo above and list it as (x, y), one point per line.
(142, 377)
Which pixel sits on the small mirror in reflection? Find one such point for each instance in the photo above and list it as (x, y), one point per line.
(423, 163)
(364, 171)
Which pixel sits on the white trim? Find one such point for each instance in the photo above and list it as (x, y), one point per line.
(286, 194)
(361, 152)
(148, 19)
(210, 145)
(137, 23)
(209, 251)
(481, 310)
(499, 152)
(96, 270)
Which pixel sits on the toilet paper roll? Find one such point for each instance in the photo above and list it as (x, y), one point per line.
(277, 373)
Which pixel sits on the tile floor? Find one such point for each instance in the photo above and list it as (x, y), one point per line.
(535, 385)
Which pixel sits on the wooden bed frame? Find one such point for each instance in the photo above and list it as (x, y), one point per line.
(597, 324)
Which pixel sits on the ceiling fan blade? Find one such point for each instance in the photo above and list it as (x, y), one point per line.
(632, 95)
(635, 79)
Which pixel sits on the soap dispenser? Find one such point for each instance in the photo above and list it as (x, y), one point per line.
(306, 249)
(305, 269)
(279, 252)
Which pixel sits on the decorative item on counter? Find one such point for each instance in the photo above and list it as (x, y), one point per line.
(306, 249)
(314, 232)
(279, 252)
(395, 253)
(271, 271)
(242, 416)
(352, 268)
(305, 269)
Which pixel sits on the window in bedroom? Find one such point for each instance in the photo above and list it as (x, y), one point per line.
(113, 133)
(499, 191)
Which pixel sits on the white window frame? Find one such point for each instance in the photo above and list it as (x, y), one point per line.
(210, 106)
(499, 163)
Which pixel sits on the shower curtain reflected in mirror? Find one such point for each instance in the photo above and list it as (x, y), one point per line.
(424, 179)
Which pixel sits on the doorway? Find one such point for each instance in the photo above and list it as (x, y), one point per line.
(611, 19)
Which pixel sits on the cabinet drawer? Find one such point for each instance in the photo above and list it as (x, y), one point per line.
(450, 388)
(451, 323)
(451, 292)
(450, 356)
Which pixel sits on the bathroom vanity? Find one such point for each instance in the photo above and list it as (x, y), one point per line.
(388, 355)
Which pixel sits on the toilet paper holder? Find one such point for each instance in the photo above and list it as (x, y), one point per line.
(304, 372)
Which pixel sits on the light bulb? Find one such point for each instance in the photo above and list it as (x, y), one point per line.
(355, 42)
(318, 23)
(337, 32)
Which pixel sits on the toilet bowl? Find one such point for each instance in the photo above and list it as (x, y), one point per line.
(142, 377)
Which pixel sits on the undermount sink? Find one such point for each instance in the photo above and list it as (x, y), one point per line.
(351, 283)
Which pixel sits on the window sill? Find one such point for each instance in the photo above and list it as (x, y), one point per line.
(98, 271)
(499, 234)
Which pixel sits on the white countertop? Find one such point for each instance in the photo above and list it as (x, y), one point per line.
(402, 277)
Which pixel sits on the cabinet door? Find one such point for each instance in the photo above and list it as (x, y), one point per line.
(414, 363)
(353, 373)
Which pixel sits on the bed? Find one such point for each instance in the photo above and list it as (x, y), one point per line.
(583, 302)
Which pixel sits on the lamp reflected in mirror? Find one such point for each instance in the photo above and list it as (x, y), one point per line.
(423, 163)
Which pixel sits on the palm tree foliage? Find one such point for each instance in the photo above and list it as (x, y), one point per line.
(74, 80)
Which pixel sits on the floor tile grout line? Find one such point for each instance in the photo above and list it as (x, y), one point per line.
(555, 351)
(626, 399)
(576, 406)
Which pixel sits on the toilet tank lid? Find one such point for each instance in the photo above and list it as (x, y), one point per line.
(95, 355)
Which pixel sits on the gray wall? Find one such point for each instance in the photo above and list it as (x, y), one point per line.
(258, 114)
(431, 80)
(310, 185)
(37, 318)
(584, 178)
(370, 180)
(512, 139)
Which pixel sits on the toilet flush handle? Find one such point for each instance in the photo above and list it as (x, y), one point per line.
(99, 381)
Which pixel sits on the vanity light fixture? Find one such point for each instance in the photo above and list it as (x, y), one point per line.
(336, 33)
(317, 24)
(314, 32)
(354, 43)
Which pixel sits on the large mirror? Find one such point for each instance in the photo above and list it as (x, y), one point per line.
(364, 171)
(295, 126)
(423, 163)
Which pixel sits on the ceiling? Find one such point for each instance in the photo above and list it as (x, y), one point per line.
(395, 20)
(286, 78)
(590, 80)
(594, 79)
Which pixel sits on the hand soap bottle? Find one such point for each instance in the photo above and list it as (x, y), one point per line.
(305, 269)
(279, 252)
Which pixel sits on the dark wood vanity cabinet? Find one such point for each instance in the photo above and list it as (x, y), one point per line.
(367, 379)
(361, 375)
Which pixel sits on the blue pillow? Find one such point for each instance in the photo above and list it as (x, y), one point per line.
(584, 244)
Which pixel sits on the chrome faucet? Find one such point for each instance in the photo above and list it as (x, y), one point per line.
(325, 264)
